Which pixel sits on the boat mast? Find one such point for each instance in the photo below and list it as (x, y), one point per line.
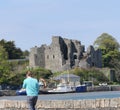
(68, 76)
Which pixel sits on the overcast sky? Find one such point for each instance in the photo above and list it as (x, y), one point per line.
(33, 22)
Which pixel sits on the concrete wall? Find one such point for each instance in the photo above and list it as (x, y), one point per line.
(95, 104)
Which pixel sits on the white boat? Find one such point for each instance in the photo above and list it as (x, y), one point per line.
(63, 88)
(69, 83)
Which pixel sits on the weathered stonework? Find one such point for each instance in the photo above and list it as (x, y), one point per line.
(91, 104)
(64, 54)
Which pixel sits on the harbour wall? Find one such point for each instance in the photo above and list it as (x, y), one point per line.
(94, 104)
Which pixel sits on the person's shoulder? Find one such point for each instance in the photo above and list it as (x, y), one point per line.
(35, 79)
(25, 79)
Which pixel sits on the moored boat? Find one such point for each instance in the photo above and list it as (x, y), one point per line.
(62, 88)
(21, 92)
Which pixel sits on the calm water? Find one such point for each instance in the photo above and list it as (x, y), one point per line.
(70, 96)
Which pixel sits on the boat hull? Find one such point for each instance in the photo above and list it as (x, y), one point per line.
(55, 92)
(18, 92)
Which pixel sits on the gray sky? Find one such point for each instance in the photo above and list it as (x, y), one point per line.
(33, 22)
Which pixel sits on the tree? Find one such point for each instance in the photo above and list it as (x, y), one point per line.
(3, 54)
(13, 52)
(4, 66)
(26, 53)
(110, 49)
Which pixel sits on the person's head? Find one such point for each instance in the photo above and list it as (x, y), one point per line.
(29, 74)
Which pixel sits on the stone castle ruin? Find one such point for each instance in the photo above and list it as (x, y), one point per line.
(64, 54)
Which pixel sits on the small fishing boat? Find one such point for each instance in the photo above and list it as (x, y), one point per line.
(62, 88)
(21, 92)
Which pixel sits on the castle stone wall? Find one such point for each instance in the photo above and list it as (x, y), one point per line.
(64, 54)
(37, 56)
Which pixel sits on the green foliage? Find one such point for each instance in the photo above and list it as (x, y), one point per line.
(92, 74)
(13, 72)
(18, 65)
(26, 53)
(3, 54)
(106, 41)
(41, 72)
(16, 77)
(110, 57)
(13, 52)
(4, 65)
(110, 49)
(116, 64)
(57, 73)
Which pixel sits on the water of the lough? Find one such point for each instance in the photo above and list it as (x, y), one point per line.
(70, 96)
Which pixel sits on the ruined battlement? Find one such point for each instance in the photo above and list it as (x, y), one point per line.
(63, 54)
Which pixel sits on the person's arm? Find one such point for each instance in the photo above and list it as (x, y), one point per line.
(23, 86)
(44, 84)
(43, 81)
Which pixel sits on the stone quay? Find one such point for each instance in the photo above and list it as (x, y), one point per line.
(94, 104)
